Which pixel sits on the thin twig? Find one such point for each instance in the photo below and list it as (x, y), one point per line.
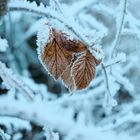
(106, 78)
(111, 64)
(117, 38)
(109, 101)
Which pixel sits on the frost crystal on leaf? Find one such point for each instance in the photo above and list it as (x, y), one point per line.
(43, 34)
(97, 52)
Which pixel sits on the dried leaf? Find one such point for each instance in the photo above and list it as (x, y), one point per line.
(75, 46)
(68, 78)
(83, 70)
(54, 57)
(70, 59)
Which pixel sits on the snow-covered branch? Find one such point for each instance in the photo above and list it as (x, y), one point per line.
(12, 81)
(120, 24)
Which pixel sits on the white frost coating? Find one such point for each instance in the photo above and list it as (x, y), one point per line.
(62, 27)
(119, 23)
(109, 100)
(43, 38)
(43, 34)
(121, 57)
(114, 85)
(97, 52)
(67, 24)
(3, 45)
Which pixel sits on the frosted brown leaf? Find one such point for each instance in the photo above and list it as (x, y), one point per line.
(83, 70)
(58, 53)
(55, 57)
(69, 59)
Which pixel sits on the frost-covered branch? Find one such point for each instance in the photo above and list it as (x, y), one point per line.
(120, 23)
(44, 12)
(109, 101)
(121, 57)
(11, 81)
(106, 79)
(39, 112)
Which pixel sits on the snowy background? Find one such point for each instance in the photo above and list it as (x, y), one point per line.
(35, 107)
